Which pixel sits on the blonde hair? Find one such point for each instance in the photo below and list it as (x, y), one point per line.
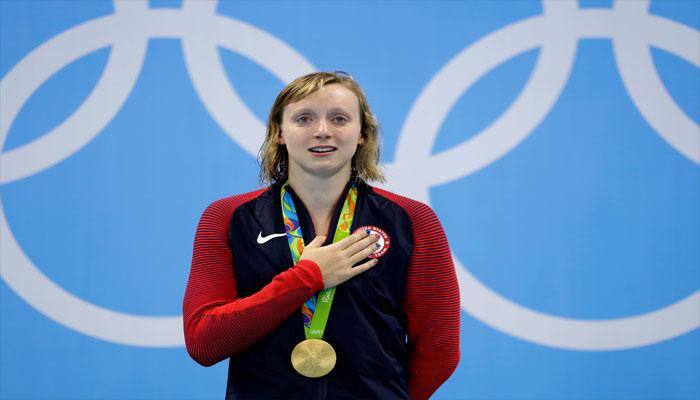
(273, 156)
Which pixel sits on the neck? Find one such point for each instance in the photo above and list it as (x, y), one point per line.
(319, 195)
(318, 192)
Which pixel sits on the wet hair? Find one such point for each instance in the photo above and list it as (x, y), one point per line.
(274, 159)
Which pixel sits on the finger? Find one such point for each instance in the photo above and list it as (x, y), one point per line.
(350, 240)
(364, 253)
(317, 242)
(360, 245)
(362, 267)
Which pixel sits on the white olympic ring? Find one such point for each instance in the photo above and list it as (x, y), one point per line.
(556, 31)
(127, 31)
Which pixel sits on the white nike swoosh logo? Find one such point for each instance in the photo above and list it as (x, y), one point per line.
(263, 240)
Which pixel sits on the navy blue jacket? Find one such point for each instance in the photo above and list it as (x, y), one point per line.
(387, 326)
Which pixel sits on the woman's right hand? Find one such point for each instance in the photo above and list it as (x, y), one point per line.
(336, 260)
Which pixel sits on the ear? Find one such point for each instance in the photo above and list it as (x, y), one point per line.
(362, 139)
(280, 138)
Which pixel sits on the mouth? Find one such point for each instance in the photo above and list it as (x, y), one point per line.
(323, 149)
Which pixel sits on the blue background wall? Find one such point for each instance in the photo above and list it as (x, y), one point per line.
(575, 231)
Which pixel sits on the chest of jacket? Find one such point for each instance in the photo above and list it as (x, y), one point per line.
(366, 325)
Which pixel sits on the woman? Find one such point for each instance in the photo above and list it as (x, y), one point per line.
(380, 260)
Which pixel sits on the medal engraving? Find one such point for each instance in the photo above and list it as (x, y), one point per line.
(313, 358)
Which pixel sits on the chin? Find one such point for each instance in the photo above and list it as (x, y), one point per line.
(327, 171)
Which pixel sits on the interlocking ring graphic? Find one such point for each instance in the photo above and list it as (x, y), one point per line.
(127, 31)
(556, 32)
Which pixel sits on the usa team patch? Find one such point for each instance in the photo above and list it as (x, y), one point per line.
(384, 239)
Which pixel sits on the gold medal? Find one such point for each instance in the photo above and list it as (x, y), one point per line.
(313, 358)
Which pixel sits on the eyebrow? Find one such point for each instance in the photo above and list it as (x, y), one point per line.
(312, 112)
(339, 110)
(303, 111)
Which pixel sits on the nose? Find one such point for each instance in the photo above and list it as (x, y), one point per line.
(322, 132)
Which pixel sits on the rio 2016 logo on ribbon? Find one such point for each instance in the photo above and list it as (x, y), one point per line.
(556, 32)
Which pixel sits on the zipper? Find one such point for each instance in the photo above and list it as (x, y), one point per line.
(322, 388)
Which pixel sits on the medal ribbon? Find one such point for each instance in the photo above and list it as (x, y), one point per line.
(315, 313)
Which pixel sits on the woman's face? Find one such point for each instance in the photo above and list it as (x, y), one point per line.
(322, 132)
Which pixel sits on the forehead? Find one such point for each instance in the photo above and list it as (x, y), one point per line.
(330, 96)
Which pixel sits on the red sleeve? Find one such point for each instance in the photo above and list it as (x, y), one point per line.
(431, 302)
(431, 305)
(217, 323)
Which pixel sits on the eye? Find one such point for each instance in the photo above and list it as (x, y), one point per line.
(339, 119)
(303, 119)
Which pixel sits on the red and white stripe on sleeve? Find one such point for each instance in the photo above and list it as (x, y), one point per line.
(431, 302)
(217, 323)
